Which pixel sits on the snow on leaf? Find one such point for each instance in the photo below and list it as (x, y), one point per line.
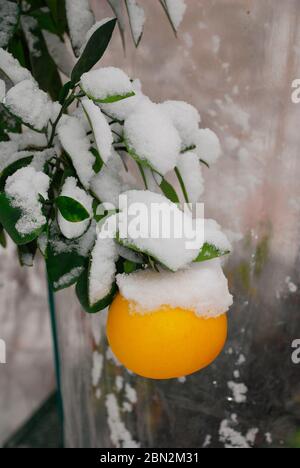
(137, 20)
(2, 90)
(80, 19)
(24, 189)
(117, 8)
(191, 174)
(208, 145)
(107, 85)
(73, 230)
(176, 10)
(185, 118)
(27, 102)
(168, 246)
(102, 270)
(9, 17)
(101, 129)
(203, 289)
(12, 69)
(151, 138)
(76, 143)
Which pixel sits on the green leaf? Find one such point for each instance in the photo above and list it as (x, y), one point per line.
(3, 241)
(169, 191)
(64, 92)
(66, 263)
(94, 50)
(83, 296)
(9, 217)
(129, 267)
(112, 99)
(58, 11)
(71, 209)
(9, 18)
(208, 252)
(27, 253)
(8, 123)
(42, 65)
(12, 168)
(98, 160)
(45, 21)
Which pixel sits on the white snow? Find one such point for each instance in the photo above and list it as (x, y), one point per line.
(12, 69)
(208, 145)
(9, 12)
(191, 173)
(60, 53)
(231, 438)
(131, 394)
(185, 118)
(102, 269)
(106, 83)
(29, 27)
(68, 229)
(213, 235)
(155, 227)
(101, 129)
(97, 368)
(24, 188)
(68, 278)
(203, 289)
(120, 436)
(137, 19)
(81, 246)
(28, 139)
(75, 142)
(152, 137)
(239, 391)
(80, 21)
(2, 90)
(107, 186)
(120, 110)
(292, 287)
(176, 9)
(7, 150)
(30, 104)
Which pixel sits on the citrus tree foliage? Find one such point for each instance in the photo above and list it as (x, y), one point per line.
(65, 152)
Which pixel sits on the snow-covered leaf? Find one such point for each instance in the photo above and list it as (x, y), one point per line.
(80, 19)
(82, 291)
(101, 129)
(216, 243)
(209, 252)
(12, 69)
(102, 270)
(151, 138)
(94, 50)
(76, 143)
(107, 85)
(9, 17)
(59, 53)
(175, 10)
(75, 209)
(67, 259)
(208, 147)
(31, 105)
(40, 59)
(191, 173)
(137, 20)
(71, 209)
(13, 167)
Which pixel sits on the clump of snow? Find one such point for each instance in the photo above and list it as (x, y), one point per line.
(239, 391)
(137, 19)
(102, 268)
(9, 13)
(106, 83)
(30, 104)
(68, 278)
(152, 137)
(101, 130)
(231, 438)
(185, 118)
(213, 235)
(70, 189)
(2, 90)
(80, 21)
(203, 289)
(292, 287)
(97, 368)
(28, 139)
(163, 238)
(119, 435)
(7, 150)
(208, 145)
(191, 172)
(24, 188)
(131, 394)
(176, 9)
(29, 27)
(12, 69)
(120, 110)
(82, 246)
(75, 142)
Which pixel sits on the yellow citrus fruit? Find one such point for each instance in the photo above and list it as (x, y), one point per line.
(166, 343)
